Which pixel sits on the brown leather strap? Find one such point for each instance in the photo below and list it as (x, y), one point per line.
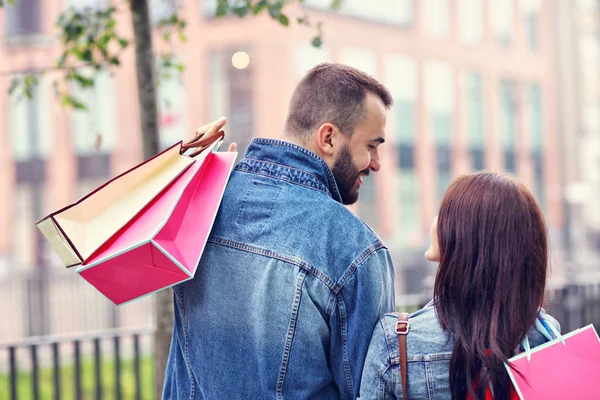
(402, 328)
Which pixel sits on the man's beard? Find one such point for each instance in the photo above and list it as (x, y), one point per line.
(345, 174)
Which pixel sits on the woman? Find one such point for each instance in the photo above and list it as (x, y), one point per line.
(491, 243)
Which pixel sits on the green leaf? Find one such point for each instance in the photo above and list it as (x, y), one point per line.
(182, 37)
(222, 10)
(111, 23)
(260, 6)
(115, 61)
(123, 43)
(166, 36)
(14, 84)
(275, 9)
(69, 101)
(336, 4)
(87, 55)
(284, 20)
(62, 60)
(240, 11)
(317, 42)
(84, 81)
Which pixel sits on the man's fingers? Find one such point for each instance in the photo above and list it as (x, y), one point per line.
(216, 126)
(232, 147)
(207, 129)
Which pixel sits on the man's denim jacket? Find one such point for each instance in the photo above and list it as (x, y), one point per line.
(428, 357)
(288, 290)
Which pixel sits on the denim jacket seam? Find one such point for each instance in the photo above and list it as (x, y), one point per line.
(429, 377)
(326, 169)
(362, 257)
(281, 178)
(382, 371)
(273, 254)
(181, 301)
(283, 166)
(290, 334)
(347, 370)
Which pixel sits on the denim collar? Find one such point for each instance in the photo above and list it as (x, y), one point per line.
(285, 160)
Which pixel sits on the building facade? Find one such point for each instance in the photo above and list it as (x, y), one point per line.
(474, 84)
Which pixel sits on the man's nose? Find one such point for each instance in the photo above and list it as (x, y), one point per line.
(375, 165)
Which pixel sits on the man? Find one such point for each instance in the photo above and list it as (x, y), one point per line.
(291, 283)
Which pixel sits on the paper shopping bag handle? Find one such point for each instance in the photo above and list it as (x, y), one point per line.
(201, 142)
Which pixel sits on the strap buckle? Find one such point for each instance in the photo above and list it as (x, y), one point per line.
(402, 327)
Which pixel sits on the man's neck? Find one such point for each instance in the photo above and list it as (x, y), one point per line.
(299, 142)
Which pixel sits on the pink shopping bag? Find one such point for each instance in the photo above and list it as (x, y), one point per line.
(565, 368)
(80, 229)
(163, 244)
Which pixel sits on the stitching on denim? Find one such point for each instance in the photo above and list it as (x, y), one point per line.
(331, 303)
(382, 371)
(308, 181)
(290, 334)
(256, 161)
(430, 387)
(357, 262)
(342, 308)
(186, 341)
(272, 254)
(282, 179)
(307, 152)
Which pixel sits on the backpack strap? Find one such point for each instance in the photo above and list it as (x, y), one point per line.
(402, 328)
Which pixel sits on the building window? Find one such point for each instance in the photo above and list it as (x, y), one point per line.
(508, 124)
(470, 21)
(535, 101)
(94, 129)
(82, 4)
(437, 18)
(307, 56)
(439, 102)
(364, 60)
(401, 78)
(502, 19)
(172, 122)
(231, 94)
(30, 130)
(23, 18)
(395, 12)
(475, 120)
(530, 10)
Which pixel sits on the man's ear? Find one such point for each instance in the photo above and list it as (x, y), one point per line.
(327, 136)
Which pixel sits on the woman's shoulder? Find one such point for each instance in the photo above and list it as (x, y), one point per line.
(546, 328)
(425, 336)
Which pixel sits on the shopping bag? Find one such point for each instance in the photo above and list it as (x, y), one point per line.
(567, 367)
(163, 244)
(78, 230)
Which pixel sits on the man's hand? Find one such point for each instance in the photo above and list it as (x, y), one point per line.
(205, 135)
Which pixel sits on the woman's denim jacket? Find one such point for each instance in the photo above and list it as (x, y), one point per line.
(428, 357)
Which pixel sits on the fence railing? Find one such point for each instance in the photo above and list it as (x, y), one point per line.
(56, 301)
(118, 363)
(95, 365)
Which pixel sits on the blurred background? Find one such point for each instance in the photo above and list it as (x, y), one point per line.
(502, 85)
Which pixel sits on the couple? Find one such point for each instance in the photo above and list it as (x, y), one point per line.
(292, 296)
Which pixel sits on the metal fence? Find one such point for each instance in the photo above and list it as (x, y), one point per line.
(118, 363)
(58, 302)
(76, 367)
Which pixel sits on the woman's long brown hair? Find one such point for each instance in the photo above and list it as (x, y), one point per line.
(491, 278)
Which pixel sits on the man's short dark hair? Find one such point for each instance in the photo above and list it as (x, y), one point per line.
(332, 93)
